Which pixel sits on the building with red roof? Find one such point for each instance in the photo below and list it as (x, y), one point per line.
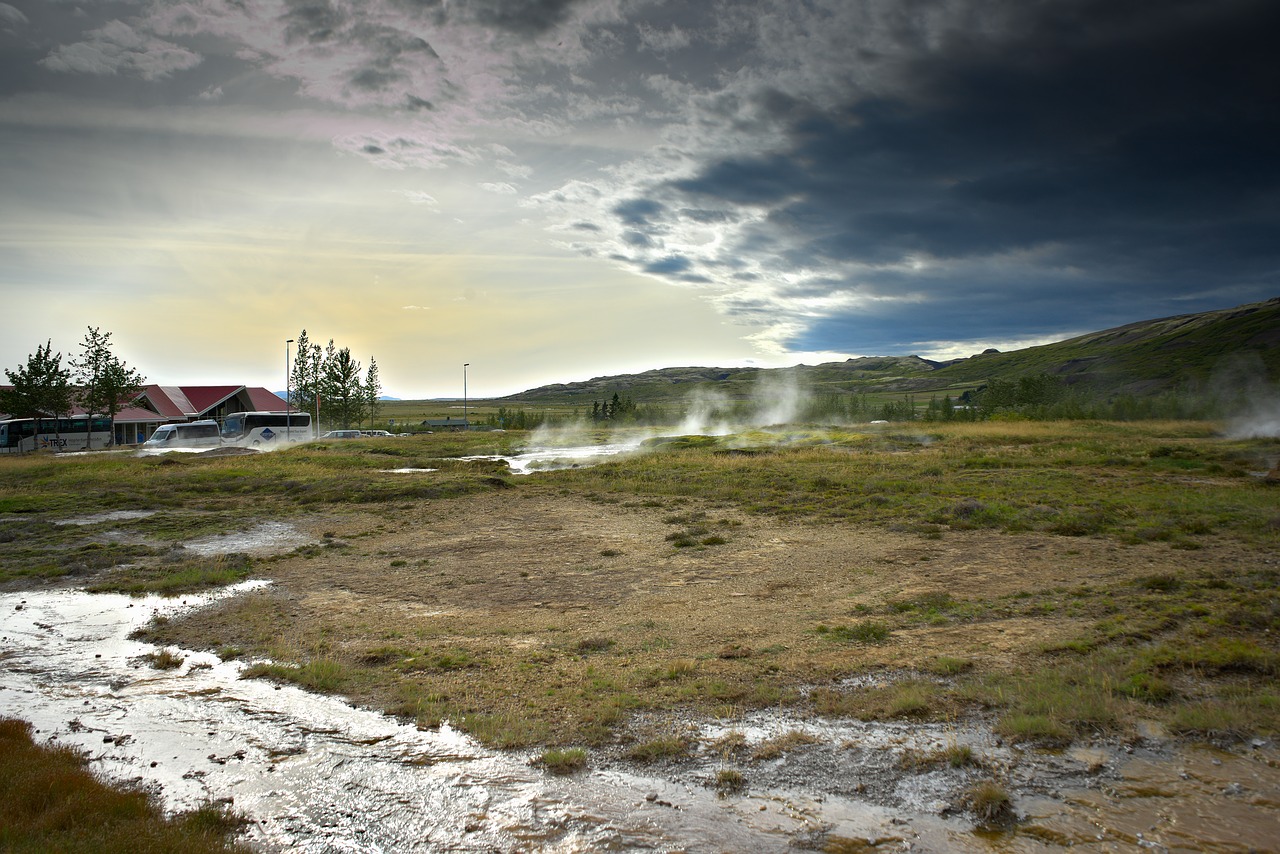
(172, 404)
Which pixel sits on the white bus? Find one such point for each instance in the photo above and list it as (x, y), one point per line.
(264, 429)
(194, 434)
(77, 433)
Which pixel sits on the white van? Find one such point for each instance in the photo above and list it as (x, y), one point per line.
(196, 434)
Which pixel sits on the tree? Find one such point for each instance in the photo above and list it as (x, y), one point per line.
(343, 395)
(41, 388)
(614, 409)
(306, 377)
(372, 389)
(328, 377)
(106, 383)
(303, 375)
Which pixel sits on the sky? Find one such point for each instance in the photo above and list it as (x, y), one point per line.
(554, 190)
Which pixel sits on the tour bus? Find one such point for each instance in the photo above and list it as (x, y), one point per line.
(77, 433)
(263, 429)
(194, 434)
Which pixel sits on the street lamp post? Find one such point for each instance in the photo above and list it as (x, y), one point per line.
(465, 424)
(315, 377)
(288, 407)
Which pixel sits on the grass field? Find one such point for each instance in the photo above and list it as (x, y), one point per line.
(1067, 579)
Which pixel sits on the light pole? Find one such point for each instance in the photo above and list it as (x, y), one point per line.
(288, 408)
(465, 425)
(315, 377)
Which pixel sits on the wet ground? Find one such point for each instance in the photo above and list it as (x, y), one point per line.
(316, 774)
(552, 458)
(313, 773)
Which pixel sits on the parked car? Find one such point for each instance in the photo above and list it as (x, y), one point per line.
(375, 434)
(343, 434)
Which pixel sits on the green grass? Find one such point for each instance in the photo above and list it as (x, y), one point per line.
(1054, 477)
(49, 801)
(568, 761)
(867, 631)
(184, 576)
(912, 698)
(655, 750)
(322, 675)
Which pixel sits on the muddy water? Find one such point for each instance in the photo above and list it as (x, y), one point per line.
(1199, 799)
(315, 774)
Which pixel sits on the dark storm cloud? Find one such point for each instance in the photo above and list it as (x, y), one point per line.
(1132, 144)
(314, 21)
(705, 216)
(637, 239)
(521, 17)
(638, 212)
(671, 265)
(392, 51)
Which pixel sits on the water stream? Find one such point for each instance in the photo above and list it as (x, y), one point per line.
(552, 458)
(313, 773)
(316, 774)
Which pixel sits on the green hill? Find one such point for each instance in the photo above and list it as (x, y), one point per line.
(1146, 358)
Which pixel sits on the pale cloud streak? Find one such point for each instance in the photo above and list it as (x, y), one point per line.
(117, 48)
(11, 17)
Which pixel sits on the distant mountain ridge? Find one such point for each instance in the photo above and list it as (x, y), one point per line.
(1141, 358)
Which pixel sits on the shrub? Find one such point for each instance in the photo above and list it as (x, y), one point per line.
(164, 660)
(596, 644)
(730, 781)
(989, 802)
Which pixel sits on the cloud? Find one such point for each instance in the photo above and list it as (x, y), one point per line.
(663, 41)
(418, 197)
(117, 48)
(11, 17)
(855, 176)
(398, 150)
(992, 162)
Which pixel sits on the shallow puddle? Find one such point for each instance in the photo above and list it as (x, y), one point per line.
(264, 538)
(1203, 799)
(551, 459)
(109, 516)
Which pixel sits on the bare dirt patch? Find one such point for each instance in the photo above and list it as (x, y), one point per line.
(572, 612)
